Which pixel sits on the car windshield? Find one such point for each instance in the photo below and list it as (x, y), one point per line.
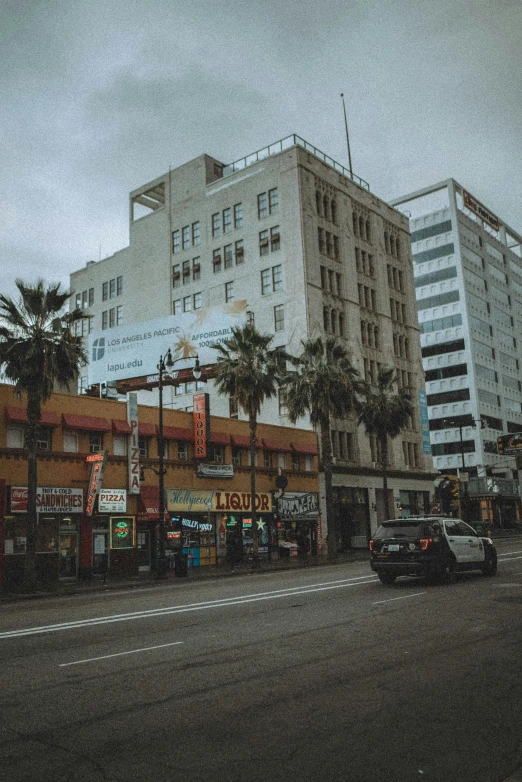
(407, 530)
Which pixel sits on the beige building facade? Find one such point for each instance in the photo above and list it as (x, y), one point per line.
(307, 250)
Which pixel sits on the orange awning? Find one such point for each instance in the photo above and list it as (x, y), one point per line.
(86, 423)
(19, 415)
(121, 427)
(147, 430)
(178, 433)
(311, 450)
(241, 440)
(219, 438)
(276, 445)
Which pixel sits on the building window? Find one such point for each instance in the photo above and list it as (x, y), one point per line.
(240, 252)
(112, 318)
(187, 304)
(320, 236)
(295, 462)
(216, 260)
(95, 442)
(197, 301)
(275, 239)
(186, 272)
(267, 459)
(283, 406)
(277, 278)
(216, 225)
(273, 201)
(105, 320)
(263, 243)
(112, 289)
(119, 286)
(196, 234)
(279, 317)
(84, 300)
(15, 437)
(265, 282)
(182, 451)
(229, 291)
(196, 268)
(236, 456)
(119, 444)
(119, 315)
(228, 256)
(238, 215)
(70, 442)
(176, 242)
(227, 220)
(218, 454)
(262, 206)
(185, 237)
(176, 307)
(91, 294)
(176, 276)
(105, 293)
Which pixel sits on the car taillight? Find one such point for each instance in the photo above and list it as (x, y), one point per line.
(371, 545)
(424, 543)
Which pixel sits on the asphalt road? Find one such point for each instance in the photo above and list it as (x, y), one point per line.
(313, 674)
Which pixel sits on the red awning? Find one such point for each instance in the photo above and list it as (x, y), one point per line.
(86, 423)
(19, 415)
(147, 430)
(241, 440)
(276, 445)
(149, 501)
(219, 438)
(121, 427)
(305, 448)
(178, 433)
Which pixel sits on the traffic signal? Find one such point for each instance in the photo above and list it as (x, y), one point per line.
(448, 493)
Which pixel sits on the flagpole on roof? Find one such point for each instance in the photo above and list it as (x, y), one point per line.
(347, 138)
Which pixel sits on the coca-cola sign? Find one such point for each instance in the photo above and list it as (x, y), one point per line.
(48, 500)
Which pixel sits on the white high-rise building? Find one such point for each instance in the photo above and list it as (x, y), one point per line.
(468, 284)
(313, 252)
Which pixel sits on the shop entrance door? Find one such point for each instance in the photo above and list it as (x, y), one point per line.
(143, 550)
(68, 554)
(100, 553)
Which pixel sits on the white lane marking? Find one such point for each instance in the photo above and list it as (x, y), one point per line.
(416, 594)
(508, 553)
(119, 654)
(223, 602)
(511, 559)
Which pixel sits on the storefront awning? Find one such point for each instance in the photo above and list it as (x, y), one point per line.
(121, 427)
(19, 415)
(147, 430)
(242, 441)
(276, 445)
(149, 503)
(219, 438)
(305, 448)
(178, 433)
(86, 423)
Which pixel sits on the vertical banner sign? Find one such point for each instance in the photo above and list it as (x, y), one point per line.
(424, 423)
(98, 464)
(134, 448)
(201, 425)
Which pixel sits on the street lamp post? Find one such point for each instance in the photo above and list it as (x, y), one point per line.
(165, 367)
(460, 427)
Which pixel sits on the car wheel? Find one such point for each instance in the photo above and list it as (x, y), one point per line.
(489, 568)
(387, 578)
(447, 573)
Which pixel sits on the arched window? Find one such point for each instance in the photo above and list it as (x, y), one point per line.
(386, 242)
(333, 319)
(326, 319)
(397, 248)
(355, 224)
(325, 206)
(318, 202)
(341, 324)
(367, 230)
(392, 245)
(333, 211)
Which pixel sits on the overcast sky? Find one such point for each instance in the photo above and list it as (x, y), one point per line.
(100, 97)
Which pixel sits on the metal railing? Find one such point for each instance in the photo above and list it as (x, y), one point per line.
(281, 146)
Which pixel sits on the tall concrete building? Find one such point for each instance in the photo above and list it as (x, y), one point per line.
(468, 284)
(312, 252)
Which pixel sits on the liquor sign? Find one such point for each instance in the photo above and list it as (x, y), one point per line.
(95, 482)
(183, 500)
(112, 501)
(480, 210)
(134, 448)
(201, 425)
(510, 444)
(48, 499)
(123, 531)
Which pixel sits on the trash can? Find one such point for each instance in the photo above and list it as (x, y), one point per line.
(181, 564)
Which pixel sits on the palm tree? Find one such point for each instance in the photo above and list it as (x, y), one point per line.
(37, 353)
(323, 385)
(384, 413)
(248, 371)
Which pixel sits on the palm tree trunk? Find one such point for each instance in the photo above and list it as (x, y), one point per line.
(384, 457)
(33, 415)
(252, 426)
(327, 467)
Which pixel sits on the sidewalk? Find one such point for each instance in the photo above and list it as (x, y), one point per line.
(149, 580)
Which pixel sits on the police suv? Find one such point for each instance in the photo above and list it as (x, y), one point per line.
(435, 547)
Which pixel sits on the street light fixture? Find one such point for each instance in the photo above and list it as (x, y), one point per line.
(165, 367)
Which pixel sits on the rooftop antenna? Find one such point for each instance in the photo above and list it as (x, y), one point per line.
(347, 139)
